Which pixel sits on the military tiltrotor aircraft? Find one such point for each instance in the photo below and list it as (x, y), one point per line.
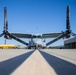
(37, 41)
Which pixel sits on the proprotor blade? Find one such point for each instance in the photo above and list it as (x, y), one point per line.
(5, 20)
(68, 18)
(1, 34)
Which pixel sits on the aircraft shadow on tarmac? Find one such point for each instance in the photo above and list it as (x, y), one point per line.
(8, 66)
(60, 66)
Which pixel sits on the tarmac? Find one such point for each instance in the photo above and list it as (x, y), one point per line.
(38, 62)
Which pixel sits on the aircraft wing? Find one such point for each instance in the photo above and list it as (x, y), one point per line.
(51, 35)
(20, 35)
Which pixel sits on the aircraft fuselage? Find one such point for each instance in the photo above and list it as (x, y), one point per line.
(36, 43)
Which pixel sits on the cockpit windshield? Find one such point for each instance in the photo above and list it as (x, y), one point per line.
(37, 39)
(38, 36)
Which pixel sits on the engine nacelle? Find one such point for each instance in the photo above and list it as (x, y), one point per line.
(67, 36)
(7, 37)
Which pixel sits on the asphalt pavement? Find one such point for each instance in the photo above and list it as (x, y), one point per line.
(37, 62)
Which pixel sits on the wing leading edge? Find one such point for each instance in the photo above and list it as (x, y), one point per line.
(47, 35)
(51, 35)
(20, 35)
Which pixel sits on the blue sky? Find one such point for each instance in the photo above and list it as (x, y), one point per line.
(37, 17)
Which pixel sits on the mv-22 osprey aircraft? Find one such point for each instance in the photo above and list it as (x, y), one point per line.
(37, 41)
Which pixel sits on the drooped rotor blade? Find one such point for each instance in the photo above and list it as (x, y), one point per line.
(1, 34)
(57, 38)
(68, 18)
(17, 39)
(5, 20)
(73, 34)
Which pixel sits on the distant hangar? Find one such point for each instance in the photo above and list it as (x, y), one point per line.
(70, 44)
